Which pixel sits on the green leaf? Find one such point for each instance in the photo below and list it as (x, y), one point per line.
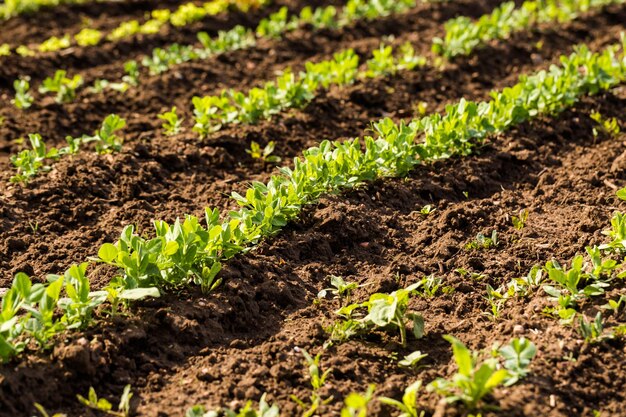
(170, 248)
(462, 355)
(22, 284)
(140, 293)
(108, 252)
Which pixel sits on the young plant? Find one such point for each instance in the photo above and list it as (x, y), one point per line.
(615, 305)
(496, 301)
(23, 99)
(65, 88)
(88, 37)
(609, 126)
(384, 64)
(339, 288)
(473, 381)
(163, 59)
(171, 123)
(355, 404)
(44, 413)
(524, 286)
(264, 410)
(265, 154)
(483, 242)
(276, 24)
(517, 356)
(24, 51)
(408, 406)
(321, 17)
(427, 209)
(105, 138)
(92, 401)
(318, 379)
(385, 311)
(131, 68)
(593, 331)
(30, 162)
(428, 286)
(571, 286)
(412, 360)
(54, 44)
(520, 221)
(100, 85)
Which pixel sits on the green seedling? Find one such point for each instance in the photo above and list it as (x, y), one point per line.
(524, 286)
(384, 64)
(474, 276)
(520, 222)
(276, 24)
(428, 287)
(496, 301)
(339, 288)
(473, 381)
(593, 331)
(385, 311)
(44, 413)
(318, 378)
(92, 401)
(124, 30)
(355, 404)
(517, 356)
(287, 91)
(320, 17)
(163, 59)
(88, 37)
(264, 410)
(105, 138)
(420, 108)
(427, 209)
(171, 123)
(483, 242)
(615, 305)
(238, 37)
(464, 34)
(265, 154)
(408, 406)
(412, 360)
(570, 286)
(29, 162)
(131, 68)
(23, 99)
(608, 126)
(54, 44)
(100, 86)
(65, 88)
(24, 51)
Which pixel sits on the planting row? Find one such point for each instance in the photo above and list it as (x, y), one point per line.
(479, 374)
(163, 59)
(11, 8)
(184, 15)
(464, 35)
(186, 252)
(212, 112)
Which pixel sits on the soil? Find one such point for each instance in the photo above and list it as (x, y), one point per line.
(245, 338)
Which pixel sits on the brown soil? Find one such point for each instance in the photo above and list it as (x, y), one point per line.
(243, 340)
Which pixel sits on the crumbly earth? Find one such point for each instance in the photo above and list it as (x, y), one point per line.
(245, 338)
